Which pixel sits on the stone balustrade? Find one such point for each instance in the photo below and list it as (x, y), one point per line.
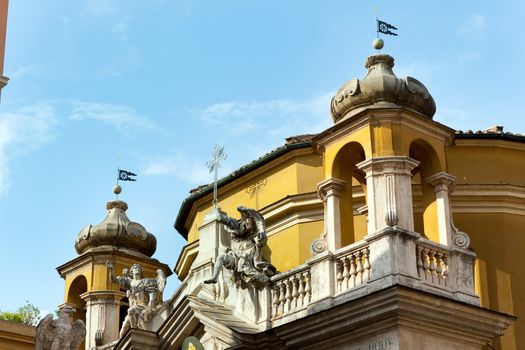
(432, 263)
(291, 292)
(352, 267)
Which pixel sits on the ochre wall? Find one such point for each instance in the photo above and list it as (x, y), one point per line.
(15, 336)
(495, 223)
(484, 169)
(297, 172)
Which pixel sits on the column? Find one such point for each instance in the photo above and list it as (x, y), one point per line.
(389, 192)
(102, 317)
(329, 191)
(443, 186)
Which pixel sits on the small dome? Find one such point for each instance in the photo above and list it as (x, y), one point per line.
(116, 231)
(380, 88)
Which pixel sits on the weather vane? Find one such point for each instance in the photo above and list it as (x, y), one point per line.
(383, 28)
(122, 175)
(213, 165)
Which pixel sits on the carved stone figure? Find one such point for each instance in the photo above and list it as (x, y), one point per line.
(144, 295)
(60, 334)
(248, 238)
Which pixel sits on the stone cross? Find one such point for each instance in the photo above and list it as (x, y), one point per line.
(254, 190)
(213, 165)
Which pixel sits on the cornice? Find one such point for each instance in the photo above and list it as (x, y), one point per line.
(103, 256)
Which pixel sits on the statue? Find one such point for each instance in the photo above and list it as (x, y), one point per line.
(60, 334)
(144, 295)
(248, 238)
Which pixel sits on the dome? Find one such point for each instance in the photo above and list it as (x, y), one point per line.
(116, 231)
(380, 88)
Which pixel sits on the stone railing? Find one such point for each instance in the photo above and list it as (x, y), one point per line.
(432, 261)
(291, 291)
(352, 267)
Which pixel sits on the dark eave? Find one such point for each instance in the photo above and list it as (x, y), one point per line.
(483, 135)
(202, 191)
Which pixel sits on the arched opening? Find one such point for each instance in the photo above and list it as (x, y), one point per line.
(76, 289)
(352, 204)
(423, 195)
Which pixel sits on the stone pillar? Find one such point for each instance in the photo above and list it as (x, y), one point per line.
(213, 239)
(329, 191)
(389, 192)
(443, 186)
(102, 317)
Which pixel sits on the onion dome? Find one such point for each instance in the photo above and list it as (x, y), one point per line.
(116, 231)
(380, 88)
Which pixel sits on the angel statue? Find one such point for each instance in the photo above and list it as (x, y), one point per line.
(60, 334)
(144, 295)
(248, 238)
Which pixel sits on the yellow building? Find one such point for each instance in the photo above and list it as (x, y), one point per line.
(388, 230)
(482, 173)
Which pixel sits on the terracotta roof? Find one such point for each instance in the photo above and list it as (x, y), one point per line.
(492, 133)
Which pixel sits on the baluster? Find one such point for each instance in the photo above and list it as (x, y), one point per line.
(359, 268)
(275, 301)
(439, 269)
(339, 276)
(425, 262)
(295, 293)
(300, 278)
(419, 253)
(282, 297)
(307, 287)
(288, 284)
(366, 264)
(353, 271)
(346, 272)
(432, 265)
(445, 269)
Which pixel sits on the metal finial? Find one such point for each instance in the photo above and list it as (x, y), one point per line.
(378, 44)
(117, 190)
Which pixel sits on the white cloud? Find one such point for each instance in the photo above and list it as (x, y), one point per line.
(26, 70)
(125, 119)
(282, 118)
(422, 71)
(474, 26)
(103, 7)
(182, 166)
(121, 27)
(120, 64)
(23, 130)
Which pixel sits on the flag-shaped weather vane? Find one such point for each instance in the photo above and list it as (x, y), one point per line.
(385, 28)
(123, 175)
(382, 27)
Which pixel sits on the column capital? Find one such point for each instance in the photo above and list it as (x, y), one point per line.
(380, 165)
(442, 181)
(102, 296)
(330, 187)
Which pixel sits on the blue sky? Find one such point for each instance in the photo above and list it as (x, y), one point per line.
(158, 83)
